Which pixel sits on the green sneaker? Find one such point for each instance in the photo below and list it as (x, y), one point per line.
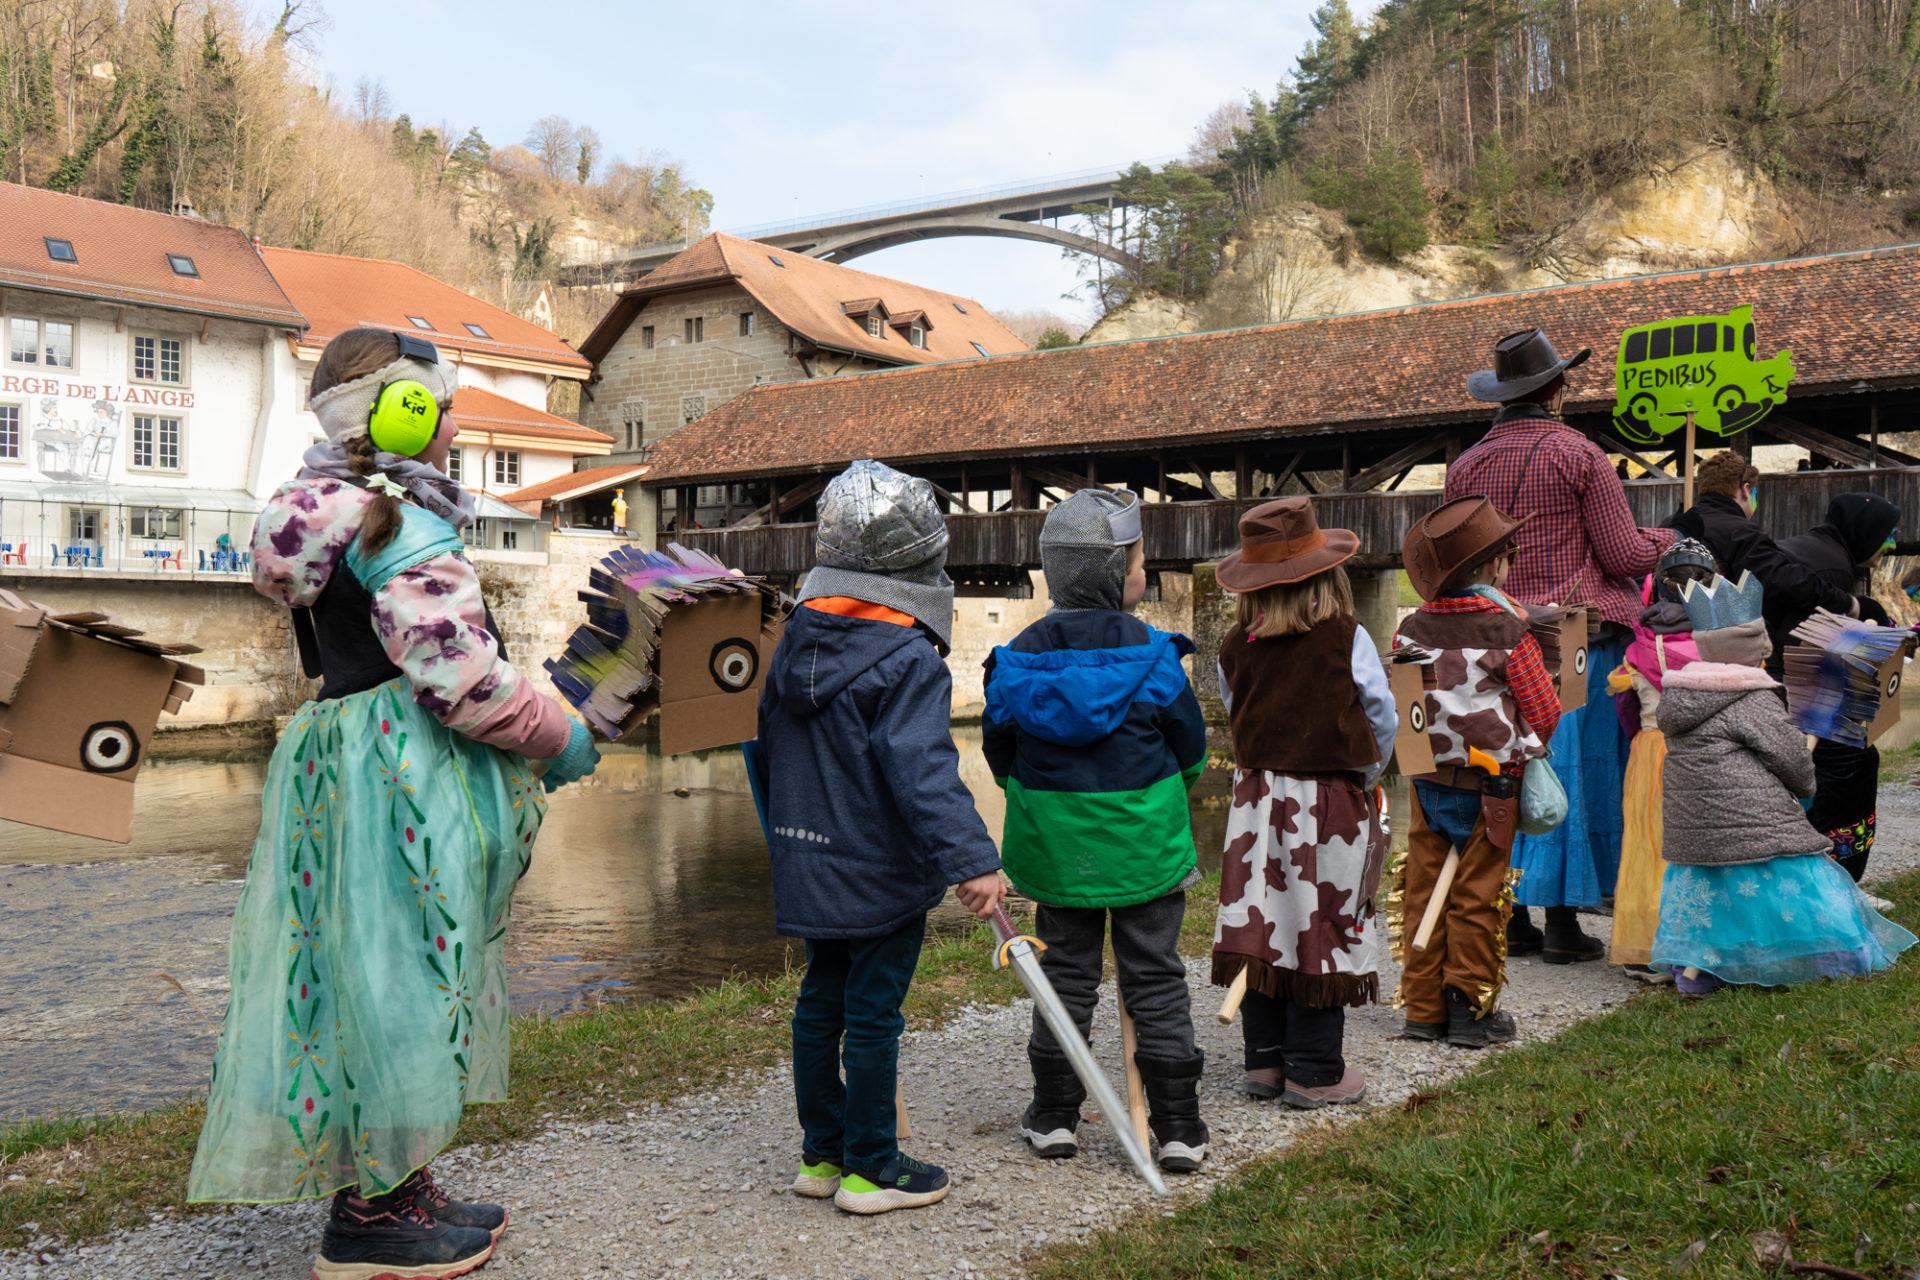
(901, 1183)
(818, 1179)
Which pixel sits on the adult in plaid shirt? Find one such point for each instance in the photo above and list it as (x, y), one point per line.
(1579, 545)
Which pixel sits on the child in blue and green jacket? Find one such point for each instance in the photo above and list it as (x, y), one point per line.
(1094, 733)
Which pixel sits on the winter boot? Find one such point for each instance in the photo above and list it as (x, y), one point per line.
(1053, 1117)
(1173, 1109)
(1467, 1030)
(1563, 943)
(1523, 938)
(1265, 1082)
(901, 1183)
(1412, 1030)
(819, 1177)
(390, 1235)
(442, 1207)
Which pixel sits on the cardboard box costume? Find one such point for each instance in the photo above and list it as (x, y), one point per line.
(80, 695)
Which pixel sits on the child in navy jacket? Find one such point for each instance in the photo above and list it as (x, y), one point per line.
(869, 821)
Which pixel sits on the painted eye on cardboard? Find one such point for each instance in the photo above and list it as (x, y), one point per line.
(1580, 662)
(1417, 717)
(109, 747)
(734, 664)
(1893, 686)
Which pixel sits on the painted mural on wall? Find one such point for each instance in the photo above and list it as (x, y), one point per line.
(77, 427)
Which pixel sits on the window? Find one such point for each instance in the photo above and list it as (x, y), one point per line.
(633, 418)
(9, 432)
(156, 443)
(454, 464)
(876, 327)
(746, 324)
(182, 265)
(59, 250)
(475, 330)
(918, 337)
(157, 359)
(1636, 347)
(957, 307)
(83, 524)
(993, 615)
(509, 540)
(421, 322)
(696, 329)
(23, 341)
(646, 337)
(56, 343)
(711, 495)
(35, 342)
(154, 522)
(774, 258)
(692, 408)
(506, 466)
(977, 347)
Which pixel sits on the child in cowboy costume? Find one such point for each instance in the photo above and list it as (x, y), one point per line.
(1313, 722)
(1094, 733)
(369, 991)
(1490, 693)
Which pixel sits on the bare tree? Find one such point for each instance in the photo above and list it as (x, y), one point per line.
(372, 104)
(555, 141)
(1215, 134)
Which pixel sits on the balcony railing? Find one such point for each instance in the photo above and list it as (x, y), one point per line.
(123, 539)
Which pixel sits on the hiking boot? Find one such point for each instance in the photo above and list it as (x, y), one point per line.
(1647, 973)
(819, 1177)
(441, 1207)
(1467, 1031)
(1053, 1118)
(1172, 1087)
(901, 1183)
(1697, 987)
(1564, 943)
(1265, 1082)
(1412, 1030)
(1350, 1087)
(1523, 939)
(391, 1236)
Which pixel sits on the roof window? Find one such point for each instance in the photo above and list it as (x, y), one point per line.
(977, 347)
(962, 310)
(774, 258)
(476, 330)
(183, 265)
(59, 250)
(420, 322)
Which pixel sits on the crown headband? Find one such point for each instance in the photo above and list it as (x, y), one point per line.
(1722, 603)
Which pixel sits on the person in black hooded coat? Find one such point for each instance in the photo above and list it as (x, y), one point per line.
(1840, 550)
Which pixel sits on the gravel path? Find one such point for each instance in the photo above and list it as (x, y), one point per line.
(698, 1187)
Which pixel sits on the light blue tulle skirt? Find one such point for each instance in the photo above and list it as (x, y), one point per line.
(1773, 923)
(1576, 863)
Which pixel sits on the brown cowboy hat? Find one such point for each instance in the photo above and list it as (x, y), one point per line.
(1281, 542)
(1454, 536)
(1522, 362)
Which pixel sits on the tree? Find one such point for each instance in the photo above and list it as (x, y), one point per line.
(402, 137)
(587, 143)
(1326, 65)
(1051, 338)
(556, 144)
(1172, 223)
(1387, 203)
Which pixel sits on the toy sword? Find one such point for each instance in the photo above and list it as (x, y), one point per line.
(1021, 953)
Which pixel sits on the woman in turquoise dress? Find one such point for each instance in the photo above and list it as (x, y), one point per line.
(369, 998)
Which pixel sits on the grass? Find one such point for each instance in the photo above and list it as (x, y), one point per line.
(83, 1177)
(1900, 763)
(1658, 1140)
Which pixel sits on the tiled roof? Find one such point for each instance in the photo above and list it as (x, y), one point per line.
(1847, 318)
(823, 302)
(121, 256)
(338, 293)
(575, 484)
(477, 410)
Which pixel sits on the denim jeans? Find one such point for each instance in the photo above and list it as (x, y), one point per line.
(848, 1014)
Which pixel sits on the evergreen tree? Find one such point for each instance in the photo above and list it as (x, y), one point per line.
(1051, 337)
(1327, 65)
(404, 143)
(1387, 202)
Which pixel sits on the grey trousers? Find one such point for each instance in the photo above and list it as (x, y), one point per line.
(1153, 977)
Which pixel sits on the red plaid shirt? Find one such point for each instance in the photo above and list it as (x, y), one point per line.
(1582, 545)
(1533, 690)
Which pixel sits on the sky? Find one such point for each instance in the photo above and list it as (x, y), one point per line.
(788, 110)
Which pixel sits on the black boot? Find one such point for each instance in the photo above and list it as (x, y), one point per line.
(1053, 1118)
(1173, 1109)
(1563, 942)
(1522, 938)
(442, 1207)
(1467, 1030)
(389, 1235)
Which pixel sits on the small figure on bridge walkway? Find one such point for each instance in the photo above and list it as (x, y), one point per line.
(1313, 724)
(1093, 731)
(1577, 544)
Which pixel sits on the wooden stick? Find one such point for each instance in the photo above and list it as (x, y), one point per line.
(1690, 973)
(1437, 903)
(1235, 994)
(1136, 1094)
(902, 1125)
(1686, 479)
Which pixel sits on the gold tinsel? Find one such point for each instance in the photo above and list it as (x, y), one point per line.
(1395, 916)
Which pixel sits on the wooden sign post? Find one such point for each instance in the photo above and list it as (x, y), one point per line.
(1686, 477)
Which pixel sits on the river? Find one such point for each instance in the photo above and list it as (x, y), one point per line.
(649, 879)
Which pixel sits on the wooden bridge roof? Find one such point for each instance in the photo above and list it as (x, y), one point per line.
(1847, 318)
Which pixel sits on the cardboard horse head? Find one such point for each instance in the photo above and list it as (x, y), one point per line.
(79, 698)
(674, 630)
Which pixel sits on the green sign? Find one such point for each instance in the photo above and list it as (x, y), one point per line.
(1699, 365)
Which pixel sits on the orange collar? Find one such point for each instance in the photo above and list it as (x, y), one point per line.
(848, 607)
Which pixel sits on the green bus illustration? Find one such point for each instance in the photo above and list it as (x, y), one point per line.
(1699, 365)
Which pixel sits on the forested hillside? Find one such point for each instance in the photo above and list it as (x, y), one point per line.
(204, 106)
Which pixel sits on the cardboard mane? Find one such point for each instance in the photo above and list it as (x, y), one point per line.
(80, 695)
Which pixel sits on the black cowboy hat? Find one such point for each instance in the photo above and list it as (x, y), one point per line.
(1522, 362)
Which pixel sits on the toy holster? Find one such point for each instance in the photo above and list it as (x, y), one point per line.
(1500, 806)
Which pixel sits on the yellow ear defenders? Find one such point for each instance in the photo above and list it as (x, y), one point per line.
(405, 415)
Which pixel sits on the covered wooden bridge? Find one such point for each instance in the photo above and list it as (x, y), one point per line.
(1358, 411)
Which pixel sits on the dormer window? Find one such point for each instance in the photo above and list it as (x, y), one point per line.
(876, 328)
(59, 250)
(420, 322)
(918, 337)
(183, 265)
(913, 326)
(870, 314)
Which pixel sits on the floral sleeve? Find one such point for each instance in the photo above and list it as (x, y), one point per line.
(432, 623)
(300, 536)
